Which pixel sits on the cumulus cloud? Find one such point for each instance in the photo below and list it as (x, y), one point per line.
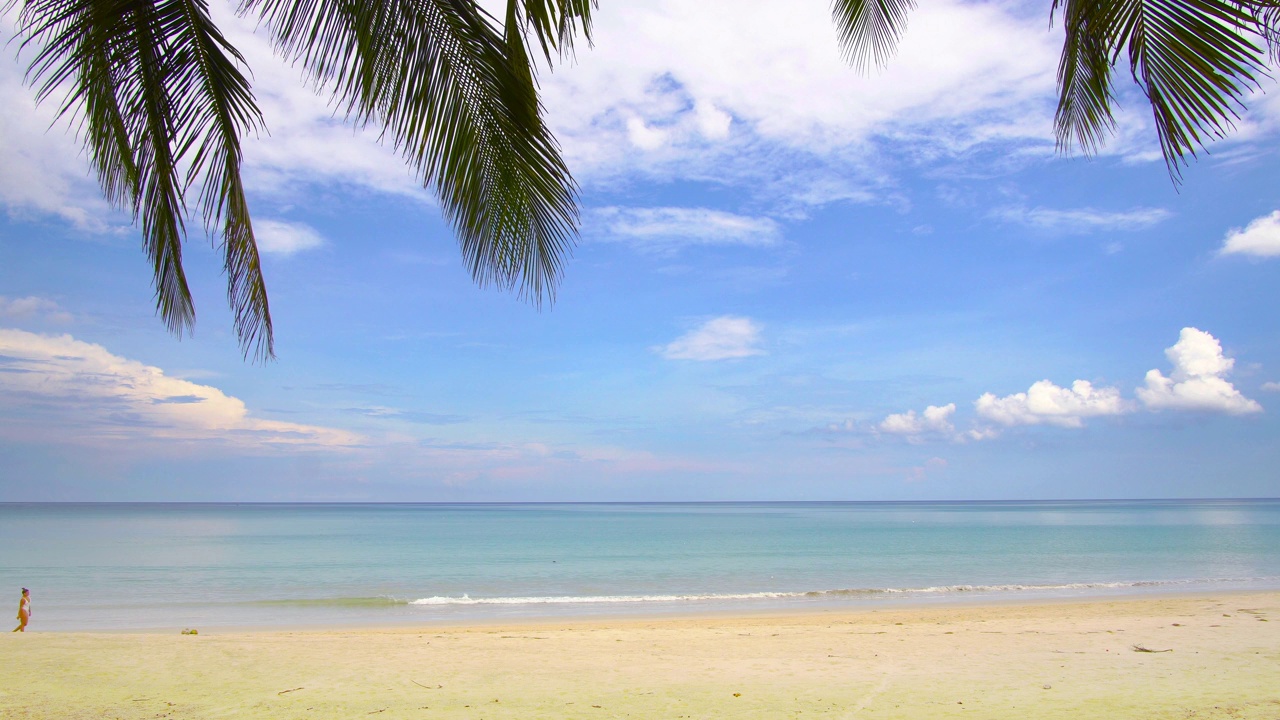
(30, 307)
(721, 338)
(669, 228)
(1198, 381)
(1084, 220)
(934, 419)
(1260, 238)
(101, 396)
(1047, 403)
(278, 237)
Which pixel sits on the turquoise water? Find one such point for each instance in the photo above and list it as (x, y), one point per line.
(135, 566)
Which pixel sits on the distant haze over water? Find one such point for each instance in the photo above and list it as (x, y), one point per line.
(141, 566)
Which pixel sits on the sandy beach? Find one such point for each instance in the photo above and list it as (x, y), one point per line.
(1209, 657)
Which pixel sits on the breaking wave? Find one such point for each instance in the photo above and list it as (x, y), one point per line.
(815, 594)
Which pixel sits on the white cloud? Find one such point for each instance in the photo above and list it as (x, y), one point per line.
(278, 237)
(978, 434)
(721, 338)
(739, 92)
(1196, 383)
(1084, 220)
(643, 136)
(934, 419)
(734, 85)
(32, 307)
(1198, 380)
(1046, 403)
(668, 228)
(86, 389)
(306, 142)
(1260, 238)
(713, 122)
(41, 168)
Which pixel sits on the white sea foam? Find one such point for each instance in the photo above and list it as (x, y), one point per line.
(586, 599)
(817, 594)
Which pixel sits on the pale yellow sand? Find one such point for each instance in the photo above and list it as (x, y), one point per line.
(1051, 660)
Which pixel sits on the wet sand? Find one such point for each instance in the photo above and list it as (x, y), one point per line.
(1213, 656)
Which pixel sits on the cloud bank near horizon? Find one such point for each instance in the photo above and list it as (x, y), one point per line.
(1197, 383)
(107, 397)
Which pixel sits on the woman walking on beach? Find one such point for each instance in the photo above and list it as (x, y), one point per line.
(24, 611)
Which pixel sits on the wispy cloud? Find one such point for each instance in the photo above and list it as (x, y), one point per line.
(382, 412)
(279, 237)
(932, 466)
(1083, 220)
(1260, 238)
(722, 338)
(32, 307)
(104, 396)
(1198, 381)
(42, 171)
(665, 229)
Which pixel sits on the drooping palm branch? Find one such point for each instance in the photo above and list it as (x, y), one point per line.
(162, 101)
(1195, 60)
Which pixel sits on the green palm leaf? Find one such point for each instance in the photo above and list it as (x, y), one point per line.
(1084, 80)
(869, 30)
(156, 88)
(162, 103)
(1195, 60)
(455, 96)
(555, 23)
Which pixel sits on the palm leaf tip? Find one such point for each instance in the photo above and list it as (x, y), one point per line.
(869, 30)
(1083, 118)
(1195, 61)
(453, 89)
(555, 24)
(161, 103)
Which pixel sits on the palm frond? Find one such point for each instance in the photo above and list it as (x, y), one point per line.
(869, 30)
(1195, 60)
(159, 202)
(555, 23)
(457, 100)
(1266, 24)
(155, 88)
(1084, 115)
(219, 107)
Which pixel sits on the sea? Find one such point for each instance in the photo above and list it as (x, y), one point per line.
(160, 566)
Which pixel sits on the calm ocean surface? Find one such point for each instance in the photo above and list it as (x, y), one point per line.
(136, 566)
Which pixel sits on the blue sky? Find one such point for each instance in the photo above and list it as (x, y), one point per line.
(793, 282)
